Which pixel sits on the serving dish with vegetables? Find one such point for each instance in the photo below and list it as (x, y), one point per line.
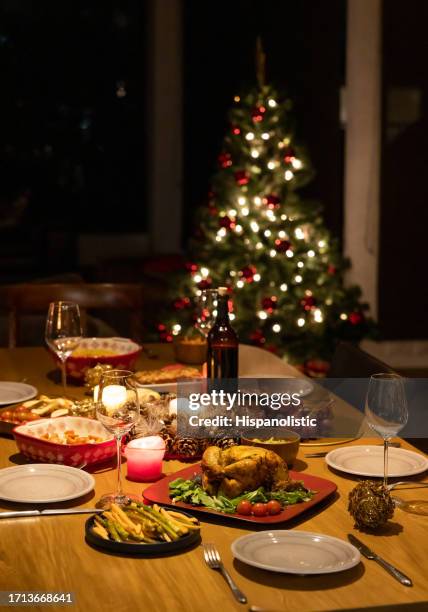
(142, 530)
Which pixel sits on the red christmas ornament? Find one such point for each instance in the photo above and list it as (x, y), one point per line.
(281, 246)
(164, 335)
(179, 304)
(226, 222)
(308, 302)
(225, 160)
(331, 270)
(272, 201)
(355, 318)
(236, 131)
(257, 337)
(257, 114)
(248, 273)
(205, 283)
(242, 177)
(269, 304)
(289, 155)
(192, 267)
(316, 368)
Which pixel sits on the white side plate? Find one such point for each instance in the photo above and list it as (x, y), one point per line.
(40, 483)
(368, 461)
(295, 552)
(15, 392)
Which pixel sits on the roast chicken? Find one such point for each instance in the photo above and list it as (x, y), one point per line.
(237, 469)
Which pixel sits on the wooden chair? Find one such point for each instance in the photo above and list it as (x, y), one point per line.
(24, 299)
(349, 361)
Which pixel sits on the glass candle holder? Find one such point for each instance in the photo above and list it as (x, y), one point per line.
(144, 458)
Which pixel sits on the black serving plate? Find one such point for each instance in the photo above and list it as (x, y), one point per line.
(160, 548)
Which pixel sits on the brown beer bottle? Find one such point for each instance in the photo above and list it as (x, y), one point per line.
(223, 343)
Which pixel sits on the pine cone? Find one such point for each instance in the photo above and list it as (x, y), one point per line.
(204, 443)
(225, 443)
(186, 447)
(168, 437)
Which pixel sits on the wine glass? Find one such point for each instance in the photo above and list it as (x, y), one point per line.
(386, 410)
(63, 332)
(118, 409)
(206, 310)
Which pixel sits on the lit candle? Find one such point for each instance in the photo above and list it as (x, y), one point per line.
(114, 396)
(144, 458)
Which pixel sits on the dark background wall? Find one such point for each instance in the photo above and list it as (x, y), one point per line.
(305, 46)
(403, 293)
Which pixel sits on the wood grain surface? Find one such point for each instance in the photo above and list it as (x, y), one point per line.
(50, 553)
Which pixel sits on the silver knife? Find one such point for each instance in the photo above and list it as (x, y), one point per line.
(49, 512)
(369, 554)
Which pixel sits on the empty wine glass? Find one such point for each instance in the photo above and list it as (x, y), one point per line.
(386, 410)
(118, 409)
(63, 332)
(206, 310)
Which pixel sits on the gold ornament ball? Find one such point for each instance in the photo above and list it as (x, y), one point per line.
(370, 504)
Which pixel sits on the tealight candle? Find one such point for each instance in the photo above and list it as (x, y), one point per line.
(144, 458)
(114, 396)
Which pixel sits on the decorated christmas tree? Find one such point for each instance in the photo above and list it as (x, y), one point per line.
(258, 237)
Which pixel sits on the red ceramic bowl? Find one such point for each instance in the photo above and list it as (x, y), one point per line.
(124, 354)
(29, 442)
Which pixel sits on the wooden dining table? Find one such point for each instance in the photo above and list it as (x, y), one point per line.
(50, 554)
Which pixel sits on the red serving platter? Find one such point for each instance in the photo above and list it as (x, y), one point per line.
(158, 493)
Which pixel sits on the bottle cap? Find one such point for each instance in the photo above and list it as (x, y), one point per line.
(222, 291)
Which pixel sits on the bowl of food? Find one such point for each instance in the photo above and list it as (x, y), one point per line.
(190, 348)
(119, 353)
(66, 440)
(286, 445)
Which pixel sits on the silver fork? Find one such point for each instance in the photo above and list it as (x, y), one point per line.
(213, 560)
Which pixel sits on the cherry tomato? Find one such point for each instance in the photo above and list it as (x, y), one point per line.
(273, 507)
(244, 507)
(260, 509)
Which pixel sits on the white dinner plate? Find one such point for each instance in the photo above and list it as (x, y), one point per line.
(15, 392)
(368, 461)
(295, 552)
(41, 483)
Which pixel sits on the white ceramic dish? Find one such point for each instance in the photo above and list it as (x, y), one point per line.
(15, 392)
(368, 461)
(295, 552)
(39, 483)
